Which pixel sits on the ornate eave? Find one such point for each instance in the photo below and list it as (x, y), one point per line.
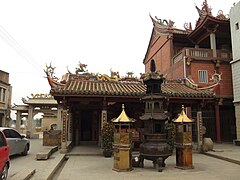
(208, 23)
(165, 27)
(44, 99)
(102, 85)
(20, 107)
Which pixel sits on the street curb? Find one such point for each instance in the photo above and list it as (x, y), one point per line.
(59, 160)
(50, 169)
(222, 158)
(24, 174)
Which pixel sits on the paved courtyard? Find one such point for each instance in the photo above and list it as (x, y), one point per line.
(97, 167)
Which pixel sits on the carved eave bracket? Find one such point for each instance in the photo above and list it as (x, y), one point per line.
(218, 63)
(219, 101)
(189, 60)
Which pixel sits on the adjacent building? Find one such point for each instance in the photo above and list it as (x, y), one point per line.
(5, 98)
(37, 103)
(201, 56)
(235, 33)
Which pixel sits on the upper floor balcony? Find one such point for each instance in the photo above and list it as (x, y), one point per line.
(202, 54)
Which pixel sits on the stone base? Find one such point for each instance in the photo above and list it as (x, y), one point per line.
(122, 170)
(236, 142)
(184, 167)
(207, 145)
(46, 153)
(52, 138)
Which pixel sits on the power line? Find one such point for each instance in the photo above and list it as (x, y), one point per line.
(17, 47)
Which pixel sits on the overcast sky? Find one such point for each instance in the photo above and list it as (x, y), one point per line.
(104, 34)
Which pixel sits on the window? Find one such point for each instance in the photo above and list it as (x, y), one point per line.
(2, 94)
(237, 26)
(2, 140)
(203, 76)
(156, 105)
(9, 133)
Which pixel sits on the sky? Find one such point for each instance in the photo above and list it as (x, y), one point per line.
(104, 34)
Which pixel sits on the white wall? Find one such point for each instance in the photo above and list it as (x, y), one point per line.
(235, 34)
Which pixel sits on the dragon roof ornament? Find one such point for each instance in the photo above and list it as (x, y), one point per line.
(52, 79)
(169, 23)
(82, 74)
(163, 25)
(207, 10)
(50, 72)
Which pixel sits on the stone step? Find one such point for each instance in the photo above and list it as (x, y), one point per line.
(24, 174)
(46, 152)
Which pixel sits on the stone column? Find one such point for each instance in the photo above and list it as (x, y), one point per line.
(103, 121)
(70, 127)
(218, 126)
(199, 130)
(59, 116)
(213, 44)
(64, 131)
(18, 120)
(103, 118)
(30, 122)
(237, 113)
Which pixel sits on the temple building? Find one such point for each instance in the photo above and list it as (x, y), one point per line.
(88, 100)
(195, 66)
(5, 98)
(200, 56)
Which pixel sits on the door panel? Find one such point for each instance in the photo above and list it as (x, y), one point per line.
(3, 151)
(86, 126)
(14, 140)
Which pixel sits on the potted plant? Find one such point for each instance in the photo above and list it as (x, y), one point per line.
(170, 128)
(107, 139)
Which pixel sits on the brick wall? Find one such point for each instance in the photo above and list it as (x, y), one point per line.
(176, 71)
(198, 65)
(226, 87)
(160, 52)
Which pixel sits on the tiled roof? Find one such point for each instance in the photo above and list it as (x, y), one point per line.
(131, 89)
(182, 90)
(45, 101)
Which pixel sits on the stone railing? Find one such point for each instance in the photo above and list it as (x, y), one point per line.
(202, 54)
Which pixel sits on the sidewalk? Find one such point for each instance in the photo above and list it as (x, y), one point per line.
(226, 151)
(90, 167)
(89, 163)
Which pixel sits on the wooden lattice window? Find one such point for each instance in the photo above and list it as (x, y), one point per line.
(202, 76)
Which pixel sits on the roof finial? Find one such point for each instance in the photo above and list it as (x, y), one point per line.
(183, 107)
(123, 106)
(182, 118)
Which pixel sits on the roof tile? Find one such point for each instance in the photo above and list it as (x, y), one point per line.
(86, 87)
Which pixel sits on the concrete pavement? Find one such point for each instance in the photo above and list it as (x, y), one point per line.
(226, 151)
(90, 164)
(205, 167)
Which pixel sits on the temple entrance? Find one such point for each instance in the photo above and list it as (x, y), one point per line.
(86, 126)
